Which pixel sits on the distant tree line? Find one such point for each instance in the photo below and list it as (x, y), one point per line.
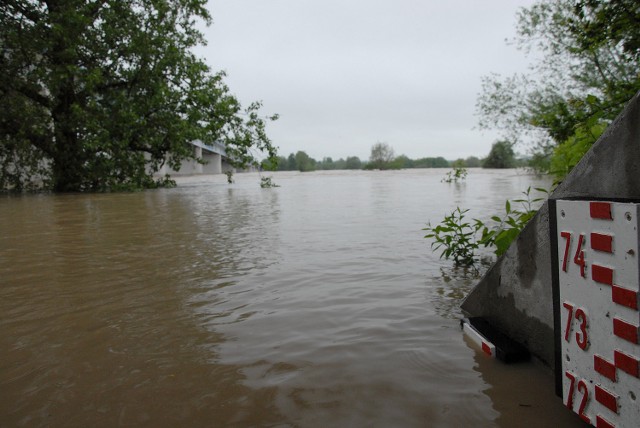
(301, 161)
(382, 157)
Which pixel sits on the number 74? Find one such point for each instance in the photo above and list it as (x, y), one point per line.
(578, 258)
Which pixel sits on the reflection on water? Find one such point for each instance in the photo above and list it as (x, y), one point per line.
(522, 394)
(317, 303)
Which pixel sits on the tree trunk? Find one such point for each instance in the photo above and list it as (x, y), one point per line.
(68, 158)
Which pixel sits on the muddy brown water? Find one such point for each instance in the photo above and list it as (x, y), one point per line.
(314, 304)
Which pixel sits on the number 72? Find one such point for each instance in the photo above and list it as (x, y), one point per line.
(582, 388)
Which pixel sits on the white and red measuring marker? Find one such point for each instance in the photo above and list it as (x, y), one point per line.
(597, 321)
(493, 342)
(485, 344)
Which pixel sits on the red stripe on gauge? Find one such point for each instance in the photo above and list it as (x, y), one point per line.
(606, 398)
(625, 297)
(625, 330)
(627, 363)
(600, 210)
(602, 242)
(486, 348)
(602, 274)
(604, 367)
(603, 423)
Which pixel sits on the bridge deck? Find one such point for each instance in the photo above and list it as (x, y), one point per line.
(216, 147)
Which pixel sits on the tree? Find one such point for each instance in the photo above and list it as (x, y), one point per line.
(340, 164)
(472, 162)
(327, 163)
(438, 162)
(291, 163)
(381, 156)
(282, 163)
(353, 162)
(587, 69)
(568, 154)
(304, 162)
(272, 164)
(402, 162)
(99, 94)
(500, 156)
(458, 163)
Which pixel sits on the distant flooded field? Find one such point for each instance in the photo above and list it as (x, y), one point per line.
(314, 304)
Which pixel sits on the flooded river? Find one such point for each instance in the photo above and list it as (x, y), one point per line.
(314, 304)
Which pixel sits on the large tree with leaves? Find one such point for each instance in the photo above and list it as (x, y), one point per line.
(99, 94)
(500, 156)
(587, 67)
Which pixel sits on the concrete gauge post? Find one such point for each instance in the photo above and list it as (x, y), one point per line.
(596, 280)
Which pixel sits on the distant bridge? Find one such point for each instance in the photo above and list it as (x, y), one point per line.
(214, 155)
(216, 147)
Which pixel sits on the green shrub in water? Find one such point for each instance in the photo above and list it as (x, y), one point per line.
(266, 183)
(507, 228)
(458, 237)
(458, 174)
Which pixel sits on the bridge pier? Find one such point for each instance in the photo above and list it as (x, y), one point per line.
(213, 165)
(197, 166)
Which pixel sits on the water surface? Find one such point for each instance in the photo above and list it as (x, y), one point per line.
(317, 303)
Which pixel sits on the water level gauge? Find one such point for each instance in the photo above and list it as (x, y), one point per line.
(596, 306)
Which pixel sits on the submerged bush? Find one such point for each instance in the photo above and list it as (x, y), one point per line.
(456, 236)
(459, 237)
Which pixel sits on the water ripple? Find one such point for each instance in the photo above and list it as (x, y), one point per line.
(317, 303)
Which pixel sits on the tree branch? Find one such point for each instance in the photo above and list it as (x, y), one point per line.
(27, 13)
(31, 93)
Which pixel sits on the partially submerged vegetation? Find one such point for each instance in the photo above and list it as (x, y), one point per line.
(267, 183)
(461, 239)
(458, 173)
(587, 69)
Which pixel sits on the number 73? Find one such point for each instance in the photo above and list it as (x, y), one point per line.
(582, 338)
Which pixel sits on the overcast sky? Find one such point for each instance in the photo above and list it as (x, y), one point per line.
(345, 74)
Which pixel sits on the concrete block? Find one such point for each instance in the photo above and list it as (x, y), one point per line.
(515, 295)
